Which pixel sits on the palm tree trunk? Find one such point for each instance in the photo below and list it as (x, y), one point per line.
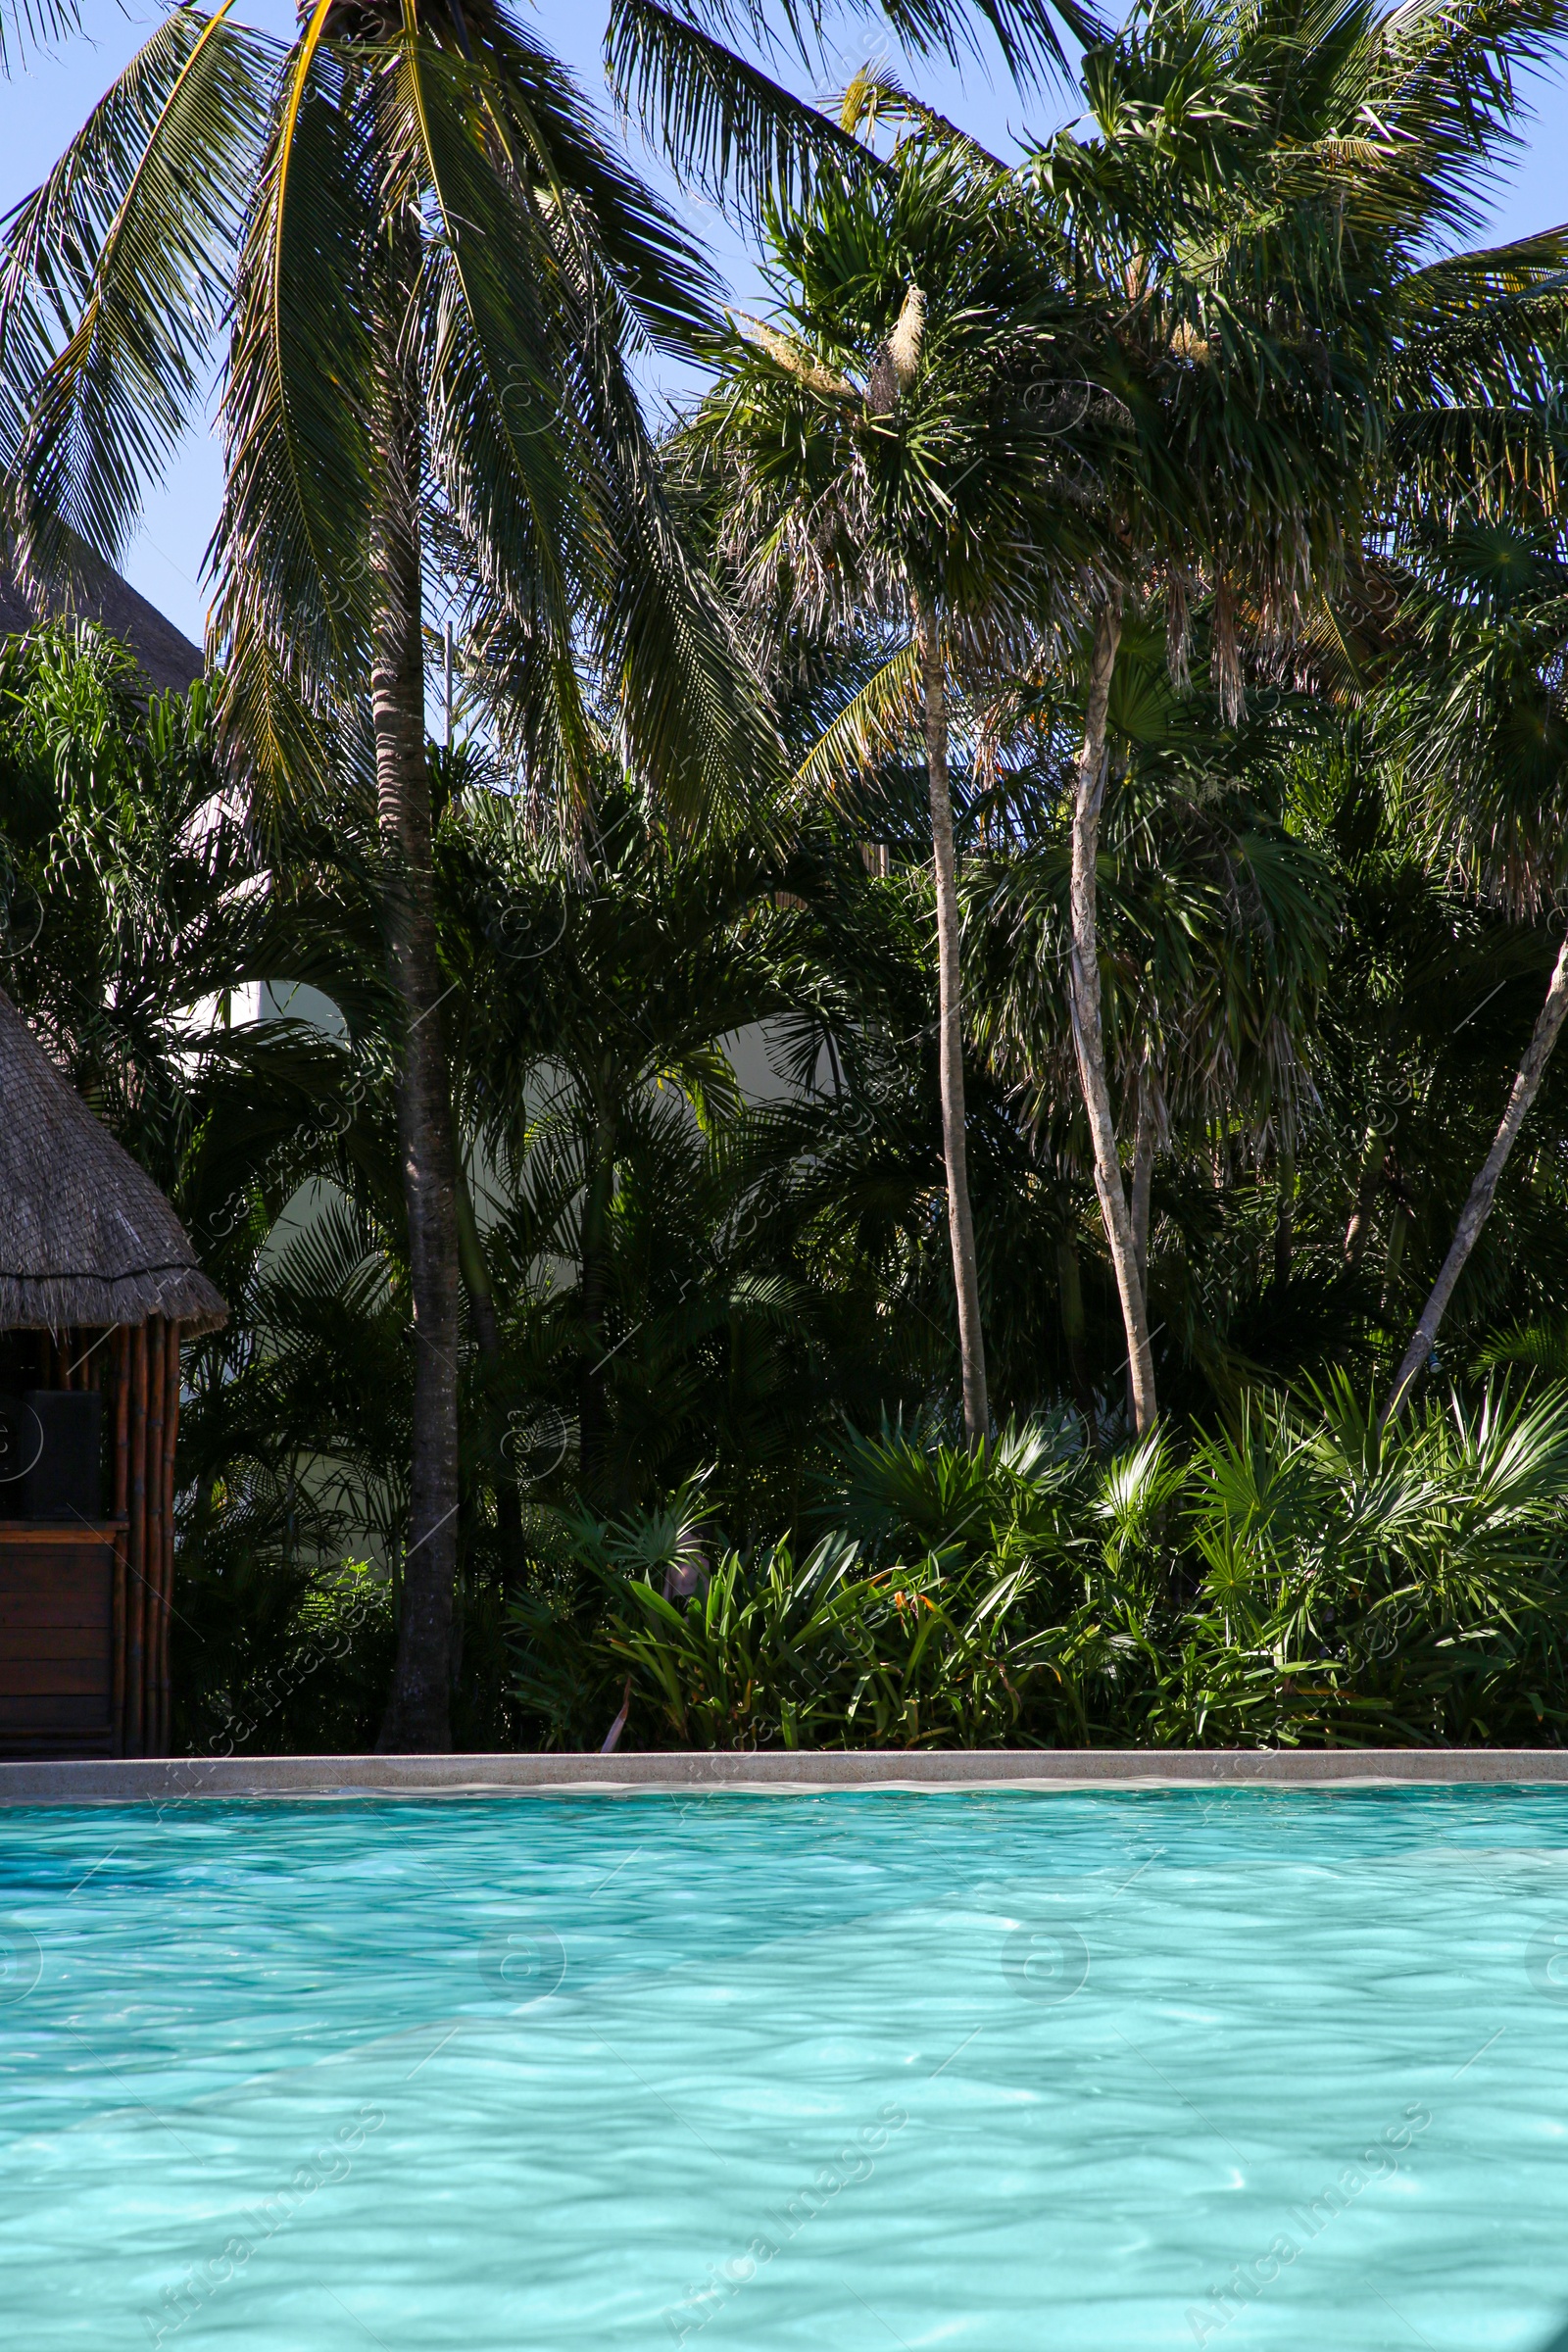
(1142, 1189)
(1359, 1230)
(1478, 1207)
(1088, 1027)
(1399, 1234)
(419, 1712)
(960, 1219)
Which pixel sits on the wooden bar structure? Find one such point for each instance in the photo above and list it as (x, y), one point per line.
(99, 1287)
(84, 1608)
(55, 1640)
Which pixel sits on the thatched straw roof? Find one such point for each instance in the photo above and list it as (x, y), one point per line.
(168, 661)
(85, 1234)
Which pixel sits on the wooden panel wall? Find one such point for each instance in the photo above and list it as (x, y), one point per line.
(56, 1642)
(139, 1371)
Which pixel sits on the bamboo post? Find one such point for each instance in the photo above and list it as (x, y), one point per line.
(170, 1433)
(136, 1593)
(154, 1568)
(121, 1497)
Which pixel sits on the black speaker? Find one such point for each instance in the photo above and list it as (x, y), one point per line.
(63, 1478)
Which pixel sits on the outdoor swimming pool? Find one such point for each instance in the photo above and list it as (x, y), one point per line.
(1020, 2072)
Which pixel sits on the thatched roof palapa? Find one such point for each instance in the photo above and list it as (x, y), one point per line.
(86, 1237)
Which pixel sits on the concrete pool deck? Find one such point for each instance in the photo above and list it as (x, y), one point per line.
(779, 1773)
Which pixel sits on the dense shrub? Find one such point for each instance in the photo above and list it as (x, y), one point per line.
(278, 1664)
(1303, 1579)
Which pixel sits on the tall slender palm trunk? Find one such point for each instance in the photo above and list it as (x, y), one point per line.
(1088, 1025)
(1476, 1209)
(949, 1029)
(419, 1712)
(1358, 1232)
(1141, 1201)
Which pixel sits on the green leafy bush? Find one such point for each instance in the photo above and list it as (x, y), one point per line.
(288, 1665)
(1303, 1578)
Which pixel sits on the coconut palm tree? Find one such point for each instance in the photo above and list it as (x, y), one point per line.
(1254, 197)
(432, 271)
(906, 449)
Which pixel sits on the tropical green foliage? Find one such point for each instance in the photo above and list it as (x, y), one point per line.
(1195, 400)
(771, 1266)
(1298, 1578)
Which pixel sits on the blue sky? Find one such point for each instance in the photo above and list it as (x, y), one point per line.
(41, 106)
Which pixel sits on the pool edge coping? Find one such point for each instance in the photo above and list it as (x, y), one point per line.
(79, 1781)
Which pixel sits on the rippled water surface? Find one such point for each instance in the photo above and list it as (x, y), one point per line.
(1016, 2072)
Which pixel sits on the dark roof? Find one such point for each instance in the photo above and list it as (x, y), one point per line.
(166, 658)
(86, 1237)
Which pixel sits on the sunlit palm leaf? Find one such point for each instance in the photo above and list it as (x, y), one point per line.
(292, 544)
(115, 277)
(876, 722)
(660, 269)
(506, 436)
(879, 97)
(725, 125)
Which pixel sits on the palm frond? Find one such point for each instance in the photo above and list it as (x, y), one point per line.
(1472, 383)
(1027, 31)
(694, 719)
(292, 547)
(35, 21)
(872, 97)
(875, 723)
(116, 275)
(725, 125)
(504, 337)
(661, 268)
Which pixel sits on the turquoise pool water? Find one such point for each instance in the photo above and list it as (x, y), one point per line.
(1015, 2073)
